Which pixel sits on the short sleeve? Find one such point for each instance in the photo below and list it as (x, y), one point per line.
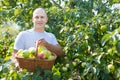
(54, 40)
(19, 41)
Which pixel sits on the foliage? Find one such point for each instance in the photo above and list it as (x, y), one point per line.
(88, 30)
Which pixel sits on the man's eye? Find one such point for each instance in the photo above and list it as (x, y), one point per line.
(42, 17)
(37, 17)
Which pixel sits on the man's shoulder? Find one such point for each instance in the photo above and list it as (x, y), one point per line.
(49, 33)
(29, 31)
(26, 31)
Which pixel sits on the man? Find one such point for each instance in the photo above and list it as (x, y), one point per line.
(27, 39)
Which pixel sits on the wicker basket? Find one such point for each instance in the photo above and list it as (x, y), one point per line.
(31, 63)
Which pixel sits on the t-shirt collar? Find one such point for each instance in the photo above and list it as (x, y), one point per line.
(37, 31)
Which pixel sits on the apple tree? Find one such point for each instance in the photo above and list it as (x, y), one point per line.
(88, 31)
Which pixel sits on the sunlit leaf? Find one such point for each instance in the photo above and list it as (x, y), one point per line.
(98, 58)
(16, 12)
(115, 1)
(105, 38)
(0, 68)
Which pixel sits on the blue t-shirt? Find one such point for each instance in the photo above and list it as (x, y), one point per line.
(26, 39)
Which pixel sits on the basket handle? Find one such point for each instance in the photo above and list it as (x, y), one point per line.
(36, 51)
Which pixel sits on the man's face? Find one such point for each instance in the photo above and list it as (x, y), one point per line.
(39, 18)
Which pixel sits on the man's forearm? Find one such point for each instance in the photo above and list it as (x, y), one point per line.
(56, 49)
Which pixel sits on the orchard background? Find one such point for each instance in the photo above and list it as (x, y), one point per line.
(88, 31)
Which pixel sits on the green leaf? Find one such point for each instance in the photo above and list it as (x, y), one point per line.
(25, 78)
(1, 60)
(118, 46)
(105, 38)
(55, 77)
(117, 73)
(47, 72)
(36, 76)
(98, 58)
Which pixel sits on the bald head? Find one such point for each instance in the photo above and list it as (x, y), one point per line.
(39, 11)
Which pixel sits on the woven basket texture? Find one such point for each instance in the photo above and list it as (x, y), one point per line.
(31, 63)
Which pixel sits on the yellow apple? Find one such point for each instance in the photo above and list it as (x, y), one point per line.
(20, 52)
(31, 56)
(41, 48)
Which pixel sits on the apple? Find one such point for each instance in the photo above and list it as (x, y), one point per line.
(111, 67)
(51, 57)
(103, 28)
(74, 63)
(25, 54)
(47, 53)
(41, 55)
(31, 55)
(44, 53)
(31, 50)
(83, 64)
(67, 65)
(20, 52)
(41, 48)
(64, 68)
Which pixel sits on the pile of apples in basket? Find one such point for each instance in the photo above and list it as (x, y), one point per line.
(43, 53)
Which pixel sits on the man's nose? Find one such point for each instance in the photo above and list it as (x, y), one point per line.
(39, 19)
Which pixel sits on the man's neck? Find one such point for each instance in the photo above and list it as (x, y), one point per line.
(38, 29)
